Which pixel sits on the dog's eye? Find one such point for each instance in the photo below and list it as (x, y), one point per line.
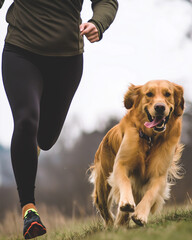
(149, 94)
(167, 94)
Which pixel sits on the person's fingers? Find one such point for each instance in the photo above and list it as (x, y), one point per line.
(87, 30)
(91, 36)
(90, 31)
(94, 38)
(82, 27)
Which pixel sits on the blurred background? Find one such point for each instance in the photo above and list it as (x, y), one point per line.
(148, 40)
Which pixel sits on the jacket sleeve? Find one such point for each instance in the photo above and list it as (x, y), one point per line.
(104, 12)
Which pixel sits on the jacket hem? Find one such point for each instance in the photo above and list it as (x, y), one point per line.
(47, 53)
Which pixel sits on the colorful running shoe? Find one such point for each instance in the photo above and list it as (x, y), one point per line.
(33, 226)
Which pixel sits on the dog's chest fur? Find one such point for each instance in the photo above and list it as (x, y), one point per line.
(141, 175)
(144, 170)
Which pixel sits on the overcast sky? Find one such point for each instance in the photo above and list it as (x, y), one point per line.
(146, 41)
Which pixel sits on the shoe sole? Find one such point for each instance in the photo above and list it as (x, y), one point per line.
(35, 230)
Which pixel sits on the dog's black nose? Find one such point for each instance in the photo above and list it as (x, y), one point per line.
(159, 108)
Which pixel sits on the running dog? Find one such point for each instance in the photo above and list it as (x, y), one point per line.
(138, 158)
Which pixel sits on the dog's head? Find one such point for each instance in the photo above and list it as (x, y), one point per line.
(156, 102)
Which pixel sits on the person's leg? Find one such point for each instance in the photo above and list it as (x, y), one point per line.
(23, 85)
(62, 77)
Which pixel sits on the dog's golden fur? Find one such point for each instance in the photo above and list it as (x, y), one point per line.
(131, 170)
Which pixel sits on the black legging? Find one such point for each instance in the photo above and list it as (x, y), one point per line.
(40, 90)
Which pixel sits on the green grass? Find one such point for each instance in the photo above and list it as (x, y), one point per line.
(171, 224)
(175, 225)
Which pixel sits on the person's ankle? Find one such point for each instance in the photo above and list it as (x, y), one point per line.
(27, 207)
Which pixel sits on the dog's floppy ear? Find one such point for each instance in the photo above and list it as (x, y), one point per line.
(131, 96)
(179, 100)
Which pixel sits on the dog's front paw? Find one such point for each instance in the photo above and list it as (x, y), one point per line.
(141, 221)
(126, 207)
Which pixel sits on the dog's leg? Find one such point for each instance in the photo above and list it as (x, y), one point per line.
(100, 198)
(122, 192)
(153, 194)
(125, 163)
(126, 202)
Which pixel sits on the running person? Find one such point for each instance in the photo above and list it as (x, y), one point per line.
(42, 66)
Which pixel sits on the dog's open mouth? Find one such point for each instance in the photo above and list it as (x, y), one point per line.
(158, 123)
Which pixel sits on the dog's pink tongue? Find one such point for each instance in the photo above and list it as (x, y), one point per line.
(154, 123)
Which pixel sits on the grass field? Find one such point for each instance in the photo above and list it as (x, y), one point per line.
(170, 224)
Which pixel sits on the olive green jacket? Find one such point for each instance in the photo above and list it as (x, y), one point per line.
(1, 3)
(51, 27)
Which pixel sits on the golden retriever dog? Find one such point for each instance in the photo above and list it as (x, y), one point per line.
(138, 157)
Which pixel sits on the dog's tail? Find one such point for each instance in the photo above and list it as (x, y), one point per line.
(176, 170)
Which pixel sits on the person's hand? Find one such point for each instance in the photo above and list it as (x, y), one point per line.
(90, 31)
